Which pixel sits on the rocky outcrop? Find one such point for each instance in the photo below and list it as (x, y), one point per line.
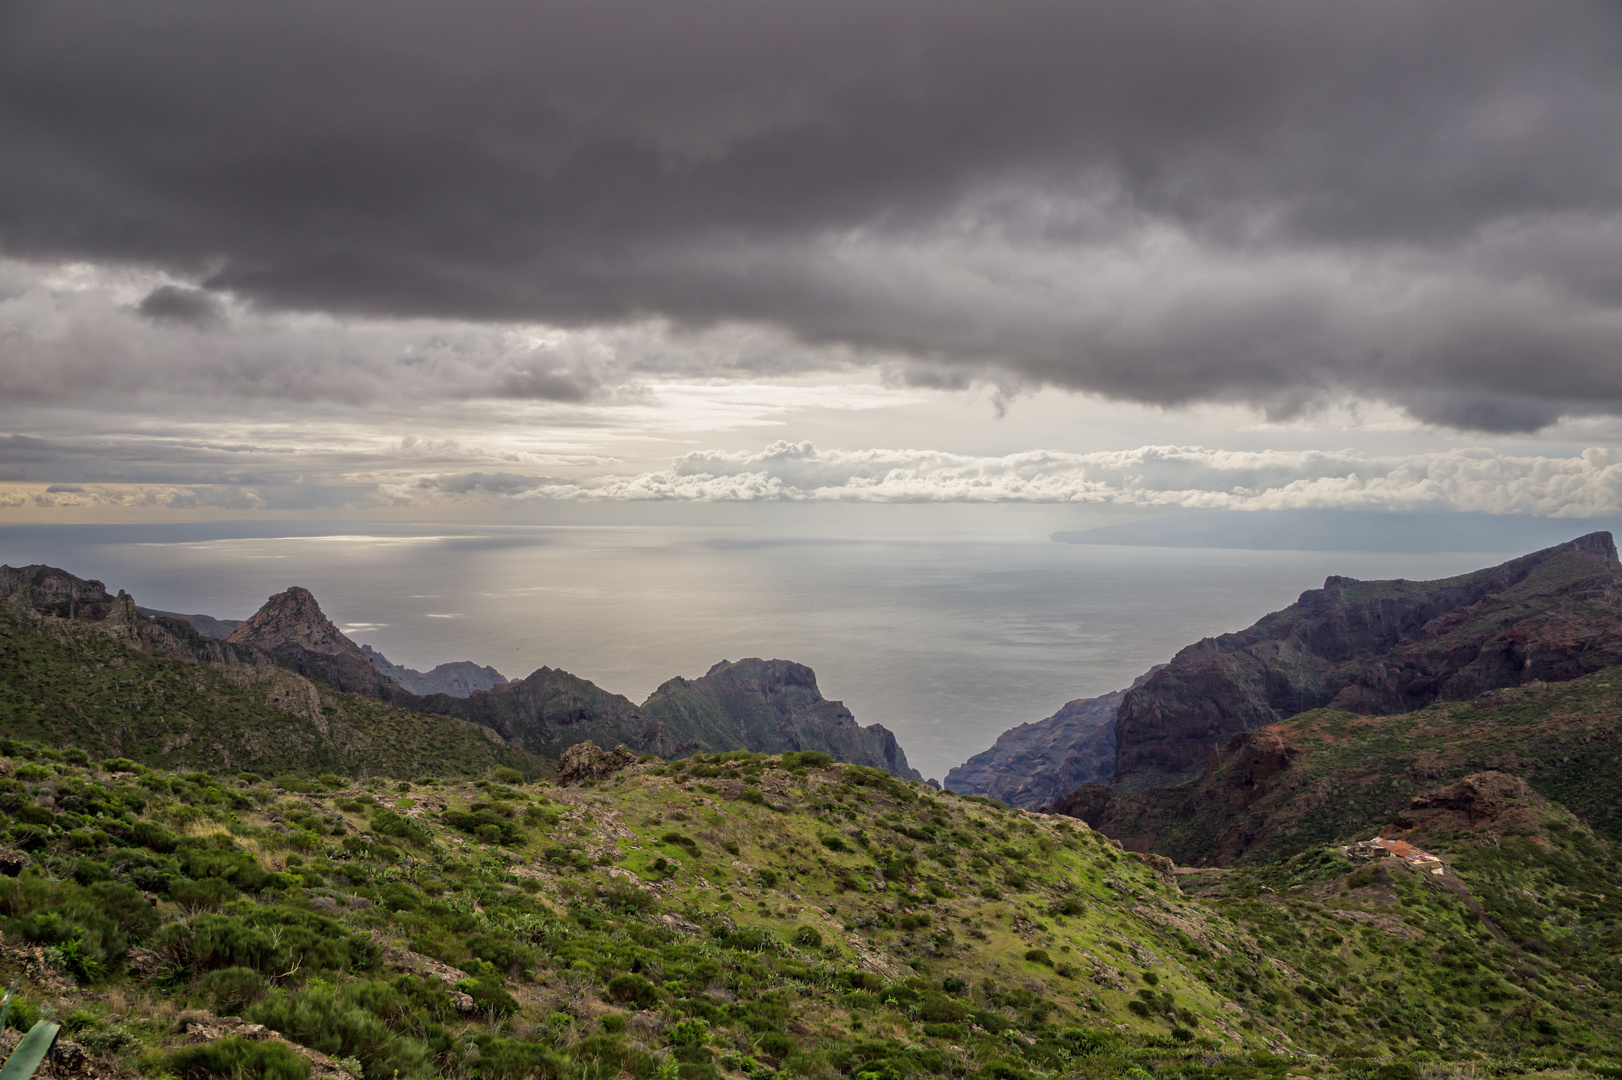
(50, 593)
(292, 628)
(457, 679)
(585, 761)
(769, 707)
(1034, 764)
(1495, 803)
(1378, 648)
(550, 711)
(765, 706)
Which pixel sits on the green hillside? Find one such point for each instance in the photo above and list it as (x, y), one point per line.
(70, 684)
(1328, 777)
(740, 915)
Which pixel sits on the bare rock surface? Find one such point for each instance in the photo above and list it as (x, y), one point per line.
(585, 761)
(1378, 648)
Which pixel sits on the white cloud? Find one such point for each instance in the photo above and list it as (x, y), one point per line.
(1470, 479)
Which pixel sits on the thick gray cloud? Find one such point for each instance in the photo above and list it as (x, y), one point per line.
(171, 303)
(1268, 201)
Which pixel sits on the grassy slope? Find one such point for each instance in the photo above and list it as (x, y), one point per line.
(1350, 775)
(69, 685)
(830, 921)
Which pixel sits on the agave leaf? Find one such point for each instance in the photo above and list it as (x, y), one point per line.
(25, 1060)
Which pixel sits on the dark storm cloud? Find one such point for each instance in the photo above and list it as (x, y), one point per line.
(1265, 201)
(171, 303)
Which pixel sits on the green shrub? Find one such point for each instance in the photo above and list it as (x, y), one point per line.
(210, 893)
(23, 1015)
(34, 814)
(29, 837)
(512, 1059)
(689, 1032)
(239, 1059)
(485, 824)
(273, 940)
(1039, 956)
(340, 1024)
(806, 759)
(388, 823)
(834, 843)
(807, 937)
(489, 995)
(233, 989)
(632, 989)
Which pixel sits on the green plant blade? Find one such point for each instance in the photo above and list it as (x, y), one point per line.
(25, 1060)
(5, 1011)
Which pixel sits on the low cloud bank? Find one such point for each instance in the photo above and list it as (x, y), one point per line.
(1191, 477)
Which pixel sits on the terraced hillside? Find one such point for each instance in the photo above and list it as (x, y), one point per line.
(739, 915)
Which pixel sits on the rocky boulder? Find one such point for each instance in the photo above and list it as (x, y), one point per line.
(585, 761)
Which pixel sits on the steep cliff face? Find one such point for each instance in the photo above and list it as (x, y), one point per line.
(1377, 648)
(292, 628)
(1033, 764)
(552, 710)
(1326, 776)
(769, 706)
(458, 678)
(50, 593)
(765, 706)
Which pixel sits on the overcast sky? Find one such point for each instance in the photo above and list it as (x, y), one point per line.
(489, 257)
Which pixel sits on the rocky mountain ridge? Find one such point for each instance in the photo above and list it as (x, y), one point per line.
(1378, 648)
(207, 625)
(757, 705)
(1036, 763)
(1327, 776)
(459, 678)
(110, 682)
(775, 706)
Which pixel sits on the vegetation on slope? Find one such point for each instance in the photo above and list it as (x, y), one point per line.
(69, 684)
(1328, 777)
(739, 915)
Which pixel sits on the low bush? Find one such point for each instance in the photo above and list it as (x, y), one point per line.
(239, 1059)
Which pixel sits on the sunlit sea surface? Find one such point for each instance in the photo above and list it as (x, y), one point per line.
(946, 640)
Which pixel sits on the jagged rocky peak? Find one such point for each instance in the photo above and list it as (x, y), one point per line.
(51, 591)
(293, 618)
(293, 629)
